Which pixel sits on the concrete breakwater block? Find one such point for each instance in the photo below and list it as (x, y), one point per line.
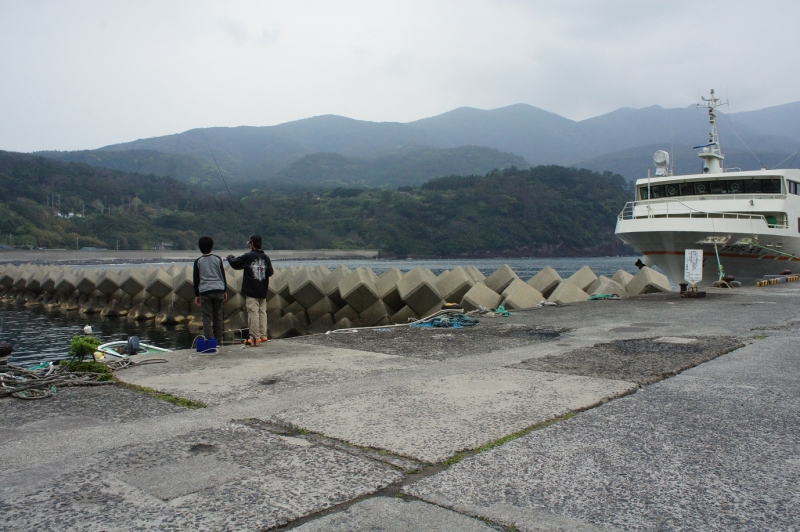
(287, 327)
(233, 282)
(50, 280)
(387, 288)
(66, 284)
(583, 278)
(567, 292)
(34, 281)
(279, 285)
(86, 282)
(475, 273)
(377, 314)
(306, 287)
(232, 304)
(648, 281)
(7, 276)
(546, 281)
(183, 283)
(21, 279)
(277, 303)
(170, 314)
(479, 296)
(501, 278)
(115, 308)
(604, 285)
(274, 282)
(520, 295)
(132, 282)
(358, 289)
(159, 284)
(331, 284)
(321, 325)
(419, 290)
(622, 277)
(346, 312)
(320, 308)
(107, 282)
(404, 315)
(454, 284)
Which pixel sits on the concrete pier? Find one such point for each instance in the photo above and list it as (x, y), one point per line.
(653, 412)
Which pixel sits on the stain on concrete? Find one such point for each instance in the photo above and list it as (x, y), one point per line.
(642, 360)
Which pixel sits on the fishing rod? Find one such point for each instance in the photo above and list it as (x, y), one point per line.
(218, 170)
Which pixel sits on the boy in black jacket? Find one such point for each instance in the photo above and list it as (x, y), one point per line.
(257, 271)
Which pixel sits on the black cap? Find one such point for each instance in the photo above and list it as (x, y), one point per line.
(255, 240)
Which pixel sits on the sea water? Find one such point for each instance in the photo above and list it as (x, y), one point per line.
(39, 334)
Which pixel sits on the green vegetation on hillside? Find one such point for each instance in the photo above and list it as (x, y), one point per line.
(541, 211)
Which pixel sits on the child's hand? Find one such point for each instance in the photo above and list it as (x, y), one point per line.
(197, 301)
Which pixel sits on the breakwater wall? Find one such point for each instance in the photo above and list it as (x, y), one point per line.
(307, 299)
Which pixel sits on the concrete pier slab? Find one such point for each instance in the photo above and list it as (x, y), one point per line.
(396, 515)
(465, 411)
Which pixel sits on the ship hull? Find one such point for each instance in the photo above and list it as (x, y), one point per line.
(666, 249)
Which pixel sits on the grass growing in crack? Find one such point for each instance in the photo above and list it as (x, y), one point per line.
(168, 397)
(760, 337)
(456, 458)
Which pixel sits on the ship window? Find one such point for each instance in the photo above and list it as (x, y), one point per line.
(701, 188)
(735, 187)
(658, 191)
(771, 186)
(643, 193)
(718, 187)
(792, 186)
(686, 189)
(752, 186)
(672, 189)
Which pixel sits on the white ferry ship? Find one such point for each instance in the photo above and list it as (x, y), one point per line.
(747, 222)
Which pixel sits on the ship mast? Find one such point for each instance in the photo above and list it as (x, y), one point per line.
(711, 153)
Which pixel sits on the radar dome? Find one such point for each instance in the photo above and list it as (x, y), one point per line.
(661, 160)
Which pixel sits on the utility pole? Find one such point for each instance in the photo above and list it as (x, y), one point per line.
(118, 244)
(83, 207)
(76, 242)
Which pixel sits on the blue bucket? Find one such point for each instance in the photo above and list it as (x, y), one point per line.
(204, 345)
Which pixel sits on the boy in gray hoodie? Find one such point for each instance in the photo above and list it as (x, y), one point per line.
(209, 288)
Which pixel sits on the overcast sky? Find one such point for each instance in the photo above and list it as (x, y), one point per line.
(84, 74)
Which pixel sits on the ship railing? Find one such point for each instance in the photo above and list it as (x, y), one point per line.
(646, 209)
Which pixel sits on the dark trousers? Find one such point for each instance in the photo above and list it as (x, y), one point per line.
(211, 307)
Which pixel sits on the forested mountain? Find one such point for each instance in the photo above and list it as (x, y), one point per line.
(408, 167)
(266, 153)
(547, 210)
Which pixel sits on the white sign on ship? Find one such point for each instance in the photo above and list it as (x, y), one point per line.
(693, 266)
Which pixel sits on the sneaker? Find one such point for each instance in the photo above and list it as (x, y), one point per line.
(263, 339)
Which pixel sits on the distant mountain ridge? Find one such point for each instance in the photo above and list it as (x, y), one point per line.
(523, 133)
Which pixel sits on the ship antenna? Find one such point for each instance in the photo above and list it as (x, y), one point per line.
(711, 152)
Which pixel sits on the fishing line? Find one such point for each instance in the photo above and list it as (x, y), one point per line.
(218, 170)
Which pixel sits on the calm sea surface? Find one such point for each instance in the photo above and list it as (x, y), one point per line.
(40, 335)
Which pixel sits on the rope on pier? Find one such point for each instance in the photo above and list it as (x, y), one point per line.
(44, 382)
